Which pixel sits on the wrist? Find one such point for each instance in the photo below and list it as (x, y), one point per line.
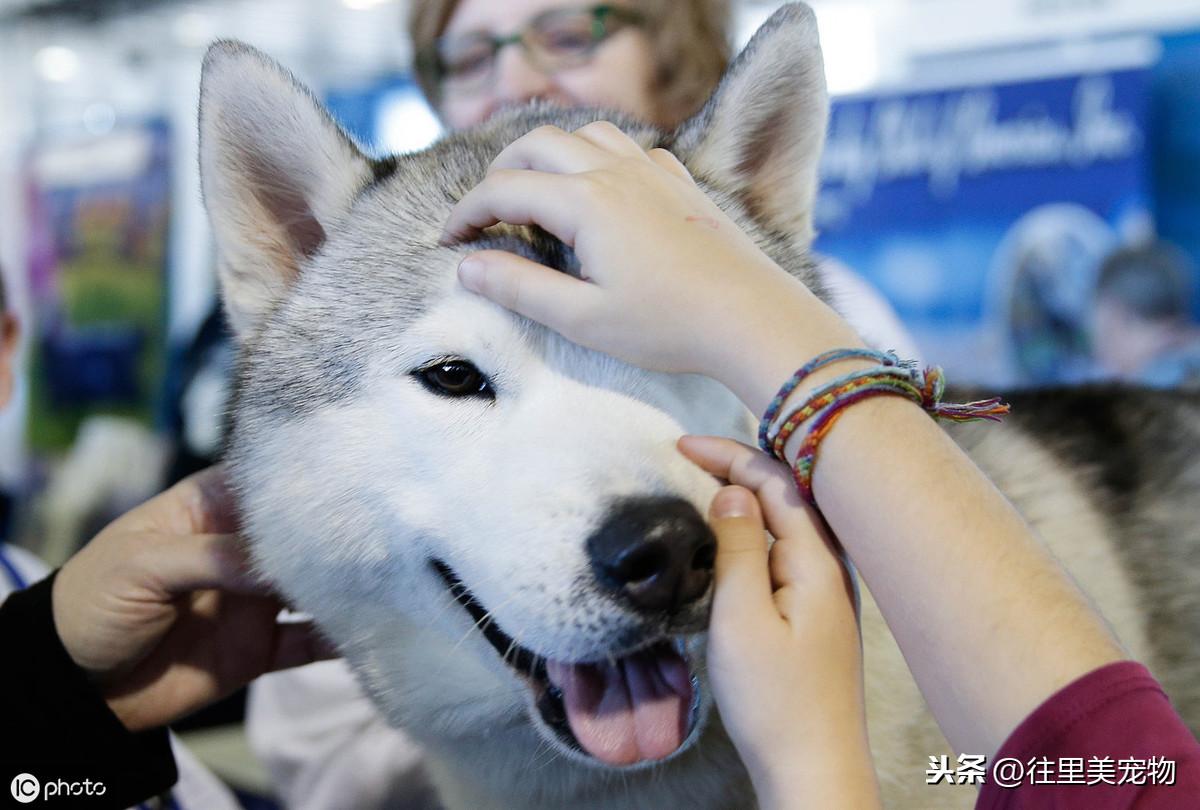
(767, 335)
(828, 775)
(771, 355)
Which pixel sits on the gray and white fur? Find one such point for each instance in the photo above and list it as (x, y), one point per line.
(353, 475)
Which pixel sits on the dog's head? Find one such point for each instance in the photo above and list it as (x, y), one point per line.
(492, 523)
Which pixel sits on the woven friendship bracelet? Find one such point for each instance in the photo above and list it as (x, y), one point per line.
(925, 390)
(806, 456)
(825, 396)
(819, 412)
(818, 362)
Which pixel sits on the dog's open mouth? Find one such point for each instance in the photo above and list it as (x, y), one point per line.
(638, 708)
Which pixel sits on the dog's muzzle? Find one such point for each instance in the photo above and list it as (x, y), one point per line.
(656, 556)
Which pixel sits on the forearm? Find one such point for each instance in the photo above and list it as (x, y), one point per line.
(966, 586)
(754, 355)
(932, 571)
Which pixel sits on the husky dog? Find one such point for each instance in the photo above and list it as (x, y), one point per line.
(493, 524)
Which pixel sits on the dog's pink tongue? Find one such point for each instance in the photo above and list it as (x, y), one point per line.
(633, 710)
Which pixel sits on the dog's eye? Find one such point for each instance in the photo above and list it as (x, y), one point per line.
(455, 378)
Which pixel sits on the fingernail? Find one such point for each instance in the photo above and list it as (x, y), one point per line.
(732, 502)
(470, 273)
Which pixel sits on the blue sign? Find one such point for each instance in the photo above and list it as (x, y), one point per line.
(982, 213)
(1175, 143)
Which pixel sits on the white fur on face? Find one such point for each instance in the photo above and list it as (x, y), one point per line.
(505, 492)
(353, 476)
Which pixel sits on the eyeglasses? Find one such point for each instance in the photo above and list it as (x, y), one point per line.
(553, 40)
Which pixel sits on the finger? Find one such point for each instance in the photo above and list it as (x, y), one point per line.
(729, 459)
(671, 163)
(807, 576)
(200, 503)
(788, 516)
(550, 149)
(610, 138)
(782, 562)
(740, 570)
(797, 560)
(528, 288)
(771, 481)
(518, 197)
(202, 561)
(300, 644)
(214, 509)
(814, 564)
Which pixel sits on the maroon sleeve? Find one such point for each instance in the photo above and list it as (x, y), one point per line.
(1108, 741)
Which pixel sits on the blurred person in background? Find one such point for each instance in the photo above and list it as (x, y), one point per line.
(655, 60)
(1142, 326)
(321, 739)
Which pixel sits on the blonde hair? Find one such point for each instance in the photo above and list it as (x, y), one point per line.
(688, 38)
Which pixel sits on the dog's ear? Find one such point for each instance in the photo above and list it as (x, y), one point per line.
(760, 135)
(277, 174)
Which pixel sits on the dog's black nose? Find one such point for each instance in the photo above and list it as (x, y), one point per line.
(657, 552)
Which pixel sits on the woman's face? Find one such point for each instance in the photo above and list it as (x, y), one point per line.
(619, 74)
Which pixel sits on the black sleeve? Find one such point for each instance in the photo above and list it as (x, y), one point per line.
(56, 726)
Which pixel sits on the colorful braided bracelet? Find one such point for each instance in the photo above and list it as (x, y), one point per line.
(825, 396)
(822, 408)
(818, 362)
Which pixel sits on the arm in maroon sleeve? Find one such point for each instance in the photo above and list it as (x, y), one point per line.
(1118, 712)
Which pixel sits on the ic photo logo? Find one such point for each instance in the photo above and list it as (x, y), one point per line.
(25, 787)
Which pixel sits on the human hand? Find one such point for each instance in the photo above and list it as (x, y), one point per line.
(161, 611)
(671, 282)
(784, 652)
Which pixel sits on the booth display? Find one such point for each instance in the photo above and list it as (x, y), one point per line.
(99, 210)
(983, 213)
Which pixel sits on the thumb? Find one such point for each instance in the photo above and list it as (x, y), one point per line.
(742, 571)
(199, 561)
(299, 644)
(546, 295)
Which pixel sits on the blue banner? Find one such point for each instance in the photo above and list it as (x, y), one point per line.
(982, 213)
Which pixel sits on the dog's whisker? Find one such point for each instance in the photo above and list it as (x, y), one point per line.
(479, 625)
(514, 643)
(543, 755)
(484, 621)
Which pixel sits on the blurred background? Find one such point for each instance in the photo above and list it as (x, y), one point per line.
(1019, 179)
